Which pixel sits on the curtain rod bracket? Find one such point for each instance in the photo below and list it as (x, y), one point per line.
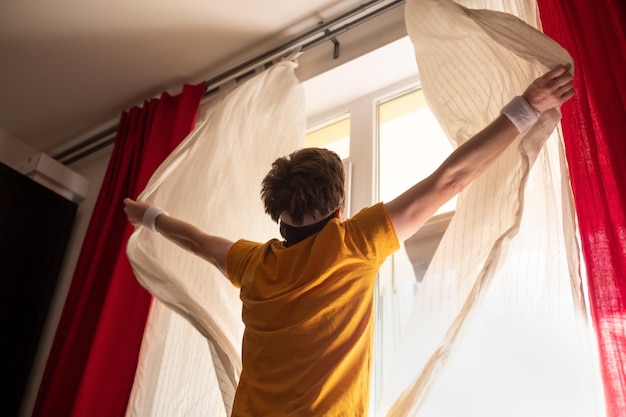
(333, 40)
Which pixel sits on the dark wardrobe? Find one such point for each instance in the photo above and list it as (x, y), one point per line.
(35, 226)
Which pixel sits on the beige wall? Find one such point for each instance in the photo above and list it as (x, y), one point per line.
(13, 151)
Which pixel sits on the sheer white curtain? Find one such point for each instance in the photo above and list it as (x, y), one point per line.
(190, 357)
(499, 325)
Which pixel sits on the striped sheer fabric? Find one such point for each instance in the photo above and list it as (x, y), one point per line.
(499, 325)
(190, 358)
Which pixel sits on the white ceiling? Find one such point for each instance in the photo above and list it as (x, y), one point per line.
(69, 66)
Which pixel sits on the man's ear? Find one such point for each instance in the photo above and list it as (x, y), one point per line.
(338, 212)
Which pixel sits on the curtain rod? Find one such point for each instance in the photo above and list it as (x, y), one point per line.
(107, 137)
(248, 67)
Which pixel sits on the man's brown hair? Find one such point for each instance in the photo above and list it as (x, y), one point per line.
(307, 182)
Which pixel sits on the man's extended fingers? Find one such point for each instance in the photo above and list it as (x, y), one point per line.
(565, 87)
(558, 79)
(567, 94)
(569, 85)
(558, 71)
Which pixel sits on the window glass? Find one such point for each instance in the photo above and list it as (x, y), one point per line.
(411, 145)
(334, 135)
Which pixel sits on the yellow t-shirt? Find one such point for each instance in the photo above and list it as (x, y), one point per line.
(308, 315)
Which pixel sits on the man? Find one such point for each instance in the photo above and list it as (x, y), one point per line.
(308, 299)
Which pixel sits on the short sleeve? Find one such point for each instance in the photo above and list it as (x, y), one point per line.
(238, 259)
(372, 234)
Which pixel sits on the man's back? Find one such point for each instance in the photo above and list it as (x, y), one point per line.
(308, 313)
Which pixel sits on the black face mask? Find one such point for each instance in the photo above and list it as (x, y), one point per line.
(293, 235)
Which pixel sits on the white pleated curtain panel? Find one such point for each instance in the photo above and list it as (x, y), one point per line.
(190, 358)
(498, 326)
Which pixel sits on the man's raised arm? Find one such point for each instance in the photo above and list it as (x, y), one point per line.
(410, 210)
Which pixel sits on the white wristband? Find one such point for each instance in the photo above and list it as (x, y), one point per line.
(521, 113)
(150, 216)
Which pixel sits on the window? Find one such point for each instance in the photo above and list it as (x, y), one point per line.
(335, 135)
(411, 144)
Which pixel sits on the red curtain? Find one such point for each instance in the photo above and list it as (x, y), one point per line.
(594, 130)
(94, 355)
